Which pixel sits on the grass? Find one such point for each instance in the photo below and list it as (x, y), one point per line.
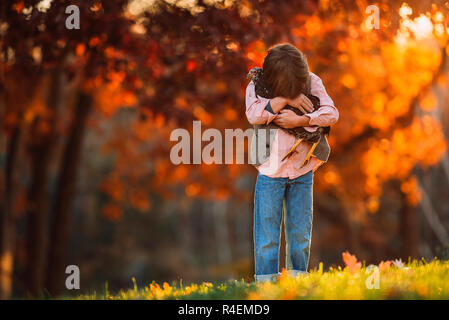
(415, 280)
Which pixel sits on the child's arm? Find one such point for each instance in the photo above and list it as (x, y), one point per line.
(327, 114)
(260, 110)
(288, 119)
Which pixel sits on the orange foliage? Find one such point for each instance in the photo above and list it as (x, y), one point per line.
(18, 6)
(113, 187)
(411, 189)
(380, 82)
(202, 115)
(376, 79)
(351, 262)
(94, 41)
(191, 65)
(255, 52)
(139, 200)
(193, 189)
(385, 265)
(110, 95)
(112, 212)
(423, 142)
(80, 49)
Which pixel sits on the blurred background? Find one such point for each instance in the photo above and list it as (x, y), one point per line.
(86, 115)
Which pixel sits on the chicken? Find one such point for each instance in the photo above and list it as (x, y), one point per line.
(301, 134)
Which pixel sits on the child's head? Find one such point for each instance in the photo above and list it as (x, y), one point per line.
(286, 71)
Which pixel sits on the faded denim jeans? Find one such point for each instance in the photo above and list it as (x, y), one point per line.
(271, 195)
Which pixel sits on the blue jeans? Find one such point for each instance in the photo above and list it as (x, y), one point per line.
(271, 195)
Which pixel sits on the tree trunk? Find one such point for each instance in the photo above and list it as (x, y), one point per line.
(408, 231)
(219, 209)
(41, 149)
(65, 188)
(7, 234)
(36, 214)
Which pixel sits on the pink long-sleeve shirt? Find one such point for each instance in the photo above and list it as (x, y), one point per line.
(290, 168)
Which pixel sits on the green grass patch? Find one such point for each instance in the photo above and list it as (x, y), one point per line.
(415, 280)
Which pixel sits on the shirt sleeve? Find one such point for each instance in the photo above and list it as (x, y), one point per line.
(257, 108)
(327, 114)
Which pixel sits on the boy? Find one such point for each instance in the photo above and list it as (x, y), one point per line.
(286, 182)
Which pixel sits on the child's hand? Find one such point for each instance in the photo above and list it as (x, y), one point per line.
(289, 119)
(302, 103)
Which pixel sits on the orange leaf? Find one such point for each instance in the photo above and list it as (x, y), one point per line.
(18, 7)
(384, 265)
(191, 65)
(351, 262)
(80, 49)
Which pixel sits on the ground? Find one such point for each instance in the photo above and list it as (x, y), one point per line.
(388, 280)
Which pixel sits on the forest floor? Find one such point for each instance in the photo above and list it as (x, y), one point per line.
(388, 280)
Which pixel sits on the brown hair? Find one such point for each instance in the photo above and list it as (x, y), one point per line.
(286, 71)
